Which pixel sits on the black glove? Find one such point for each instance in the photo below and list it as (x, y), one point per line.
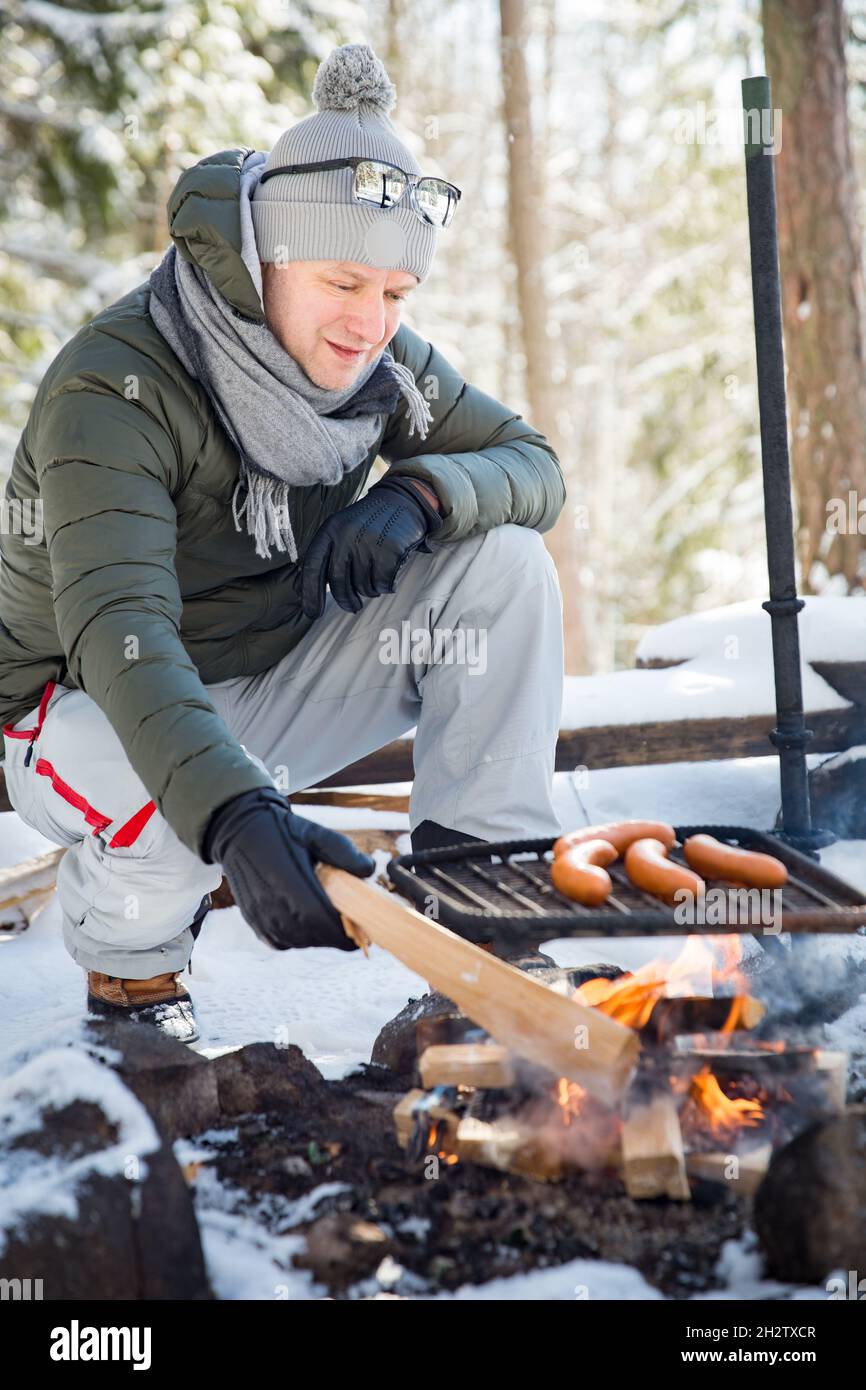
(359, 550)
(267, 854)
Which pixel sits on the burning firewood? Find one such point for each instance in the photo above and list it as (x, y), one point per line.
(768, 1088)
(704, 1104)
(693, 1014)
(769, 1064)
(417, 1107)
(709, 1109)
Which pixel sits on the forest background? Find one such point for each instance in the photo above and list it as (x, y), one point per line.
(595, 278)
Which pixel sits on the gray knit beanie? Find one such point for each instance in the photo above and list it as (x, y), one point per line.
(314, 216)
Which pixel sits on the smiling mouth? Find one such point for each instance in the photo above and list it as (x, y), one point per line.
(346, 354)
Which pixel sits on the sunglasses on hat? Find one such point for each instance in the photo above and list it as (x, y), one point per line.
(383, 185)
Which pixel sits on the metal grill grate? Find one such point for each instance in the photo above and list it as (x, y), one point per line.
(502, 892)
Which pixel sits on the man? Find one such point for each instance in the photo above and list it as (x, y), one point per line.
(168, 672)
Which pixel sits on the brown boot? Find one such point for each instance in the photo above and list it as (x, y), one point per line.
(161, 1001)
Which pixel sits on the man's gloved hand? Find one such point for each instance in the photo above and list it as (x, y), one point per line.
(359, 550)
(267, 854)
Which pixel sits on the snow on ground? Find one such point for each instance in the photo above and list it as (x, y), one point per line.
(739, 1266)
(333, 1003)
(246, 1261)
(330, 1003)
(578, 1280)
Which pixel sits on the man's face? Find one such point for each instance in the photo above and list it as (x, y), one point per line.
(310, 305)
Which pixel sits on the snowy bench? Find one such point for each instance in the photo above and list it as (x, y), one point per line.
(703, 690)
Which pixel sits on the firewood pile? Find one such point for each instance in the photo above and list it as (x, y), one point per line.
(707, 1102)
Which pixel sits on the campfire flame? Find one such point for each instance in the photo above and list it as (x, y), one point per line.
(722, 1113)
(631, 998)
(733, 1018)
(570, 1098)
(433, 1139)
(551, 1127)
(702, 965)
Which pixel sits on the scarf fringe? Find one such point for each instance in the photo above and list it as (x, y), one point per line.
(267, 507)
(420, 413)
(267, 501)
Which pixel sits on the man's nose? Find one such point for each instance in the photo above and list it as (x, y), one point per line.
(367, 320)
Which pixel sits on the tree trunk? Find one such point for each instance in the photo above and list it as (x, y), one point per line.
(527, 242)
(391, 46)
(822, 278)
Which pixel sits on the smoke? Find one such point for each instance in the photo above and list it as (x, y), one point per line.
(808, 983)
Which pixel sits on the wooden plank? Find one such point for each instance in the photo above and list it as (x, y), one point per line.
(515, 1009)
(354, 801)
(653, 1162)
(608, 745)
(483, 1065)
(370, 840)
(26, 887)
(744, 1172)
(641, 745)
(404, 1117)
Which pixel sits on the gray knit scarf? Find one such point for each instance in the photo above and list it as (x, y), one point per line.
(288, 431)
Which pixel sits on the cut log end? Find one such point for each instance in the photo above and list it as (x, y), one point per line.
(653, 1161)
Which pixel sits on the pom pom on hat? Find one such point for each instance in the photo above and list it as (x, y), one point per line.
(315, 216)
(352, 75)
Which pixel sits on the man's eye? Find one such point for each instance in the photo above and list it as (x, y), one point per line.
(398, 298)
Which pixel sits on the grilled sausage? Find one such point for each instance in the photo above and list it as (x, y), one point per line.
(648, 867)
(578, 872)
(620, 834)
(745, 867)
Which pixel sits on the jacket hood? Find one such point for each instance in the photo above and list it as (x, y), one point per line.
(204, 221)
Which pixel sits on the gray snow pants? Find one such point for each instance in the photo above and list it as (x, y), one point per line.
(468, 649)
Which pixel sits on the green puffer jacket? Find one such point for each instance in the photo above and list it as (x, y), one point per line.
(135, 477)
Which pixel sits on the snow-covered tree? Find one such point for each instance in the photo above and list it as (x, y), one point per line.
(103, 104)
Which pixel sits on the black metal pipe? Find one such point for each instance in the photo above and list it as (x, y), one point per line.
(790, 735)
